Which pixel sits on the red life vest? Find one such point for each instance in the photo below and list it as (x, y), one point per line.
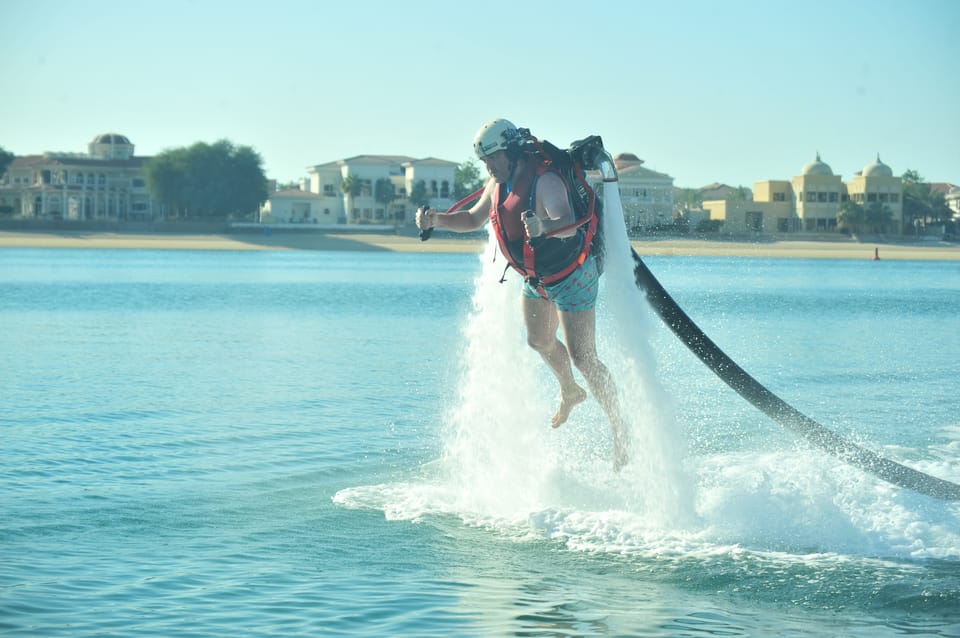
(553, 258)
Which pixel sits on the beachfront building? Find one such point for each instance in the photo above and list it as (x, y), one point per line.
(646, 195)
(344, 192)
(809, 202)
(105, 183)
(952, 199)
(351, 192)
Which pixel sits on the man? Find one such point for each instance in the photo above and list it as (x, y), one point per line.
(538, 234)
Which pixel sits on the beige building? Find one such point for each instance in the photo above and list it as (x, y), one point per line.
(809, 202)
(106, 183)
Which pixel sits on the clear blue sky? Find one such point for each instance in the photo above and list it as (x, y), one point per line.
(706, 91)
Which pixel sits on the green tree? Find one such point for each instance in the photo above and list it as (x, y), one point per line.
(939, 211)
(878, 217)
(208, 180)
(466, 179)
(739, 194)
(384, 192)
(418, 197)
(167, 175)
(5, 158)
(688, 199)
(916, 201)
(851, 216)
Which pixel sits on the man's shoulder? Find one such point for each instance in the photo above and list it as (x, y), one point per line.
(550, 179)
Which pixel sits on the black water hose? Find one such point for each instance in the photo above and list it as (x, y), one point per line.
(775, 407)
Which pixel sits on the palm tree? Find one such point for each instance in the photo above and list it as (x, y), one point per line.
(350, 187)
(384, 192)
(878, 217)
(419, 195)
(688, 199)
(851, 216)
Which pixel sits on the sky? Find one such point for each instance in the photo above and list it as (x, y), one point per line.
(705, 91)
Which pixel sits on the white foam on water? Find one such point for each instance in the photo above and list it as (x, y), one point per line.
(504, 467)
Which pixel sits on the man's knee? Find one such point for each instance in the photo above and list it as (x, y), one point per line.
(584, 359)
(541, 344)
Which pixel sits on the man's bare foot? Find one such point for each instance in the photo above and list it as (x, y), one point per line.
(567, 403)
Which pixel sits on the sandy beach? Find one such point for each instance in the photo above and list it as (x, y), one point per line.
(448, 243)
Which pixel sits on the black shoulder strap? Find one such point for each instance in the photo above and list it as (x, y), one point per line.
(533, 193)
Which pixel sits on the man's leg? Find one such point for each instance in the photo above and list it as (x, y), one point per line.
(579, 332)
(541, 320)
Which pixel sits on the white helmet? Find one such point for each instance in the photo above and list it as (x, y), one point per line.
(495, 135)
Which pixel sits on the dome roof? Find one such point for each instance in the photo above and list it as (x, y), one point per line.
(111, 146)
(878, 169)
(111, 138)
(816, 167)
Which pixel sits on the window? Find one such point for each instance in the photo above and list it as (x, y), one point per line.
(821, 197)
(811, 196)
(834, 197)
(884, 197)
(433, 187)
(138, 182)
(78, 178)
(779, 197)
(328, 190)
(102, 179)
(871, 197)
(444, 188)
(894, 198)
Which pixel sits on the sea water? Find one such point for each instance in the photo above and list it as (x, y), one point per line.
(306, 443)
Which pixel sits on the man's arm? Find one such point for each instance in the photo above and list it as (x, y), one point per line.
(459, 221)
(553, 208)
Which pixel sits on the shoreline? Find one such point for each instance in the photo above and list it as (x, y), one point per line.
(806, 249)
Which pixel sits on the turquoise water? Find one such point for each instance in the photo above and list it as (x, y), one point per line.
(300, 443)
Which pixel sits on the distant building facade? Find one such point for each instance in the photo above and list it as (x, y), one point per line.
(324, 198)
(809, 202)
(951, 197)
(645, 195)
(106, 183)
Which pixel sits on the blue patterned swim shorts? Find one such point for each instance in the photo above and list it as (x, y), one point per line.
(576, 293)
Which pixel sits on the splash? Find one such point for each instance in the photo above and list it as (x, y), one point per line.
(500, 455)
(504, 468)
